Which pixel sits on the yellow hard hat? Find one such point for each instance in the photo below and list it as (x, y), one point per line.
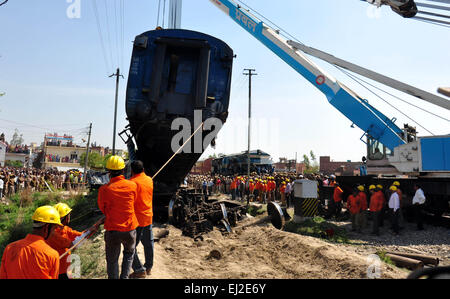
(361, 188)
(393, 188)
(396, 183)
(372, 187)
(115, 163)
(47, 214)
(63, 209)
(380, 186)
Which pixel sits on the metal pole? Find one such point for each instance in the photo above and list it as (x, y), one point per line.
(117, 74)
(249, 74)
(87, 156)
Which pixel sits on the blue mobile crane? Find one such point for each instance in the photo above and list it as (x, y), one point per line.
(391, 150)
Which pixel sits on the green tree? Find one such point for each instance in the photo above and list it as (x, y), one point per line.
(16, 163)
(311, 165)
(95, 160)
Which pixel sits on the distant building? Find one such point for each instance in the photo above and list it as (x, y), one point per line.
(285, 165)
(202, 167)
(60, 152)
(2, 153)
(328, 167)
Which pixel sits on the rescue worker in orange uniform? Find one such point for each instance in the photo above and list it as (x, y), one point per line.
(354, 207)
(32, 257)
(144, 214)
(62, 238)
(233, 187)
(116, 200)
(282, 193)
(337, 200)
(375, 207)
(384, 210)
(251, 187)
(364, 205)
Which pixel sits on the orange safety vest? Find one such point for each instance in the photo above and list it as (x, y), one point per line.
(116, 201)
(61, 240)
(353, 204)
(233, 185)
(29, 258)
(143, 205)
(337, 194)
(363, 198)
(376, 202)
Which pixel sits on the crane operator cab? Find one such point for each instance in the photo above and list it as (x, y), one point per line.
(377, 153)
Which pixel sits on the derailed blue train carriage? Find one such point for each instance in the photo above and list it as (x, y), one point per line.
(174, 73)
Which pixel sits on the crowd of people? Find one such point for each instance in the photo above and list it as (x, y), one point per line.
(375, 202)
(16, 180)
(253, 188)
(58, 158)
(379, 204)
(128, 215)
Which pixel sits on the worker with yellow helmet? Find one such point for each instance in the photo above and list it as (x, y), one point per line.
(62, 238)
(362, 196)
(376, 208)
(394, 209)
(116, 200)
(32, 257)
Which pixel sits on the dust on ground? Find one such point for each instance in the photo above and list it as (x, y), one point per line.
(256, 252)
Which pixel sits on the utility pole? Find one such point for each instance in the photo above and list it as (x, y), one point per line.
(249, 74)
(117, 75)
(295, 164)
(87, 155)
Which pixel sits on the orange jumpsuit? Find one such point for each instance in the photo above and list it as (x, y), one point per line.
(144, 201)
(30, 258)
(116, 201)
(61, 240)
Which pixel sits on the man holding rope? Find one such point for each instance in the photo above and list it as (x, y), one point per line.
(117, 200)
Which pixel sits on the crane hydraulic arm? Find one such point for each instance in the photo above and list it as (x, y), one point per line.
(374, 124)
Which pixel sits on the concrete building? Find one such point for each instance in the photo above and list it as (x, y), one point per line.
(2, 153)
(202, 167)
(338, 168)
(285, 165)
(60, 152)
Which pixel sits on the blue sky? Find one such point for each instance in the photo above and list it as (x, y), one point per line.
(54, 74)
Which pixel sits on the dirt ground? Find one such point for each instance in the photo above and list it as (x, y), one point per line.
(257, 252)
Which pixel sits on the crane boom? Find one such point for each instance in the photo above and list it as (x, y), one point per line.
(406, 88)
(358, 110)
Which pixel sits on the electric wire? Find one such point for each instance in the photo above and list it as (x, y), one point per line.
(108, 30)
(356, 79)
(102, 42)
(294, 38)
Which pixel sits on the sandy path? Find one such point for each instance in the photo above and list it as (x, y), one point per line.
(258, 252)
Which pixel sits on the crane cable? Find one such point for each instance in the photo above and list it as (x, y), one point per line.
(346, 73)
(356, 79)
